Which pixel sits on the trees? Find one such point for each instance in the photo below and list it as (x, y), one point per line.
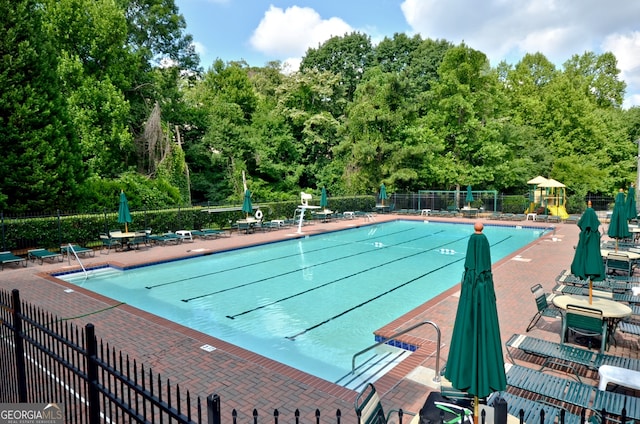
(116, 85)
(40, 164)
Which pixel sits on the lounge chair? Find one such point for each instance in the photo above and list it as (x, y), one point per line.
(165, 238)
(42, 254)
(8, 258)
(549, 386)
(206, 233)
(531, 409)
(545, 308)
(67, 249)
(566, 355)
(369, 408)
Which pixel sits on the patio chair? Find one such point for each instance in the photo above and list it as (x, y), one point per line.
(369, 408)
(8, 258)
(42, 254)
(109, 243)
(586, 322)
(544, 307)
(139, 239)
(618, 263)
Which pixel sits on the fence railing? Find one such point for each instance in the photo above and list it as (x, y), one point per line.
(45, 360)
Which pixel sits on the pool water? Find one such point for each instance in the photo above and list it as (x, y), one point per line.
(310, 303)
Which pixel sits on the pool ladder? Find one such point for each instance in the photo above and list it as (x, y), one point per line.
(70, 248)
(436, 378)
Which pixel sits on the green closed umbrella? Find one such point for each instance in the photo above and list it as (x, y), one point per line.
(476, 363)
(247, 207)
(383, 194)
(324, 202)
(632, 212)
(618, 226)
(587, 260)
(124, 216)
(469, 198)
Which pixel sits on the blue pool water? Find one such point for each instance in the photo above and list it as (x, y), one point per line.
(310, 303)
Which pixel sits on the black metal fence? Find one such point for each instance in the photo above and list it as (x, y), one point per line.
(44, 360)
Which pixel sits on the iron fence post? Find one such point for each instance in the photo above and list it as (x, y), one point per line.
(21, 371)
(92, 375)
(213, 409)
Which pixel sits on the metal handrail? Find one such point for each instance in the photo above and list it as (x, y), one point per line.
(436, 378)
(70, 247)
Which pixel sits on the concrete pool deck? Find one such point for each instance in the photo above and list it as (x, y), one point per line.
(244, 380)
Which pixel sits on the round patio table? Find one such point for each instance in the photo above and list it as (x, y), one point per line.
(610, 308)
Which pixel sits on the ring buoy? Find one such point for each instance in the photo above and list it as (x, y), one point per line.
(259, 215)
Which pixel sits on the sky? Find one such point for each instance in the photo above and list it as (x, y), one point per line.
(262, 31)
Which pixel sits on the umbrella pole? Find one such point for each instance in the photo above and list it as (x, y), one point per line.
(476, 410)
(126, 228)
(590, 291)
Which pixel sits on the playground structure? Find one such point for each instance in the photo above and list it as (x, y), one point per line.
(549, 194)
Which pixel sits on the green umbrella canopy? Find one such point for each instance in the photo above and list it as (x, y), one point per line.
(247, 207)
(383, 193)
(469, 198)
(476, 362)
(618, 226)
(324, 202)
(124, 216)
(587, 260)
(632, 212)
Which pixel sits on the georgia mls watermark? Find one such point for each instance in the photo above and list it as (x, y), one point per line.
(31, 413)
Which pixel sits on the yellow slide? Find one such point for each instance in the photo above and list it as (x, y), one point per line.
(559, 211)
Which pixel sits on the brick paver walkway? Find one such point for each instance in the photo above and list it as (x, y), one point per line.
(245, 381)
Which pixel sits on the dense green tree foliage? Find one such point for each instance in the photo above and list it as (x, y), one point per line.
(40, 162)
(100, 96)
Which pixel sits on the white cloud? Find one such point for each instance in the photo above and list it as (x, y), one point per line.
(290, 32)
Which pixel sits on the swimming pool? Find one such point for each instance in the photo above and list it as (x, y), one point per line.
(310, 303)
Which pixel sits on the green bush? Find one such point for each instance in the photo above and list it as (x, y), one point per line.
(20, 234)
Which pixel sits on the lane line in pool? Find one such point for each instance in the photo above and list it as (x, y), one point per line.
(273, 259)
(293, 271)
(376, 297)
(344, 278)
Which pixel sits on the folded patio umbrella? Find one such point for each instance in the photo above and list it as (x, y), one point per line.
(324, 202)
(469, 198)
(632, 212)
(587, 260)
(476, 362)
(618, 225)
(124, 216)
(383, 193)
(247, 207)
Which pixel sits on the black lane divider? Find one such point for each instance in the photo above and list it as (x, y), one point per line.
(377, 297)
(338, 280)
(272, 259)
(299, 269)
